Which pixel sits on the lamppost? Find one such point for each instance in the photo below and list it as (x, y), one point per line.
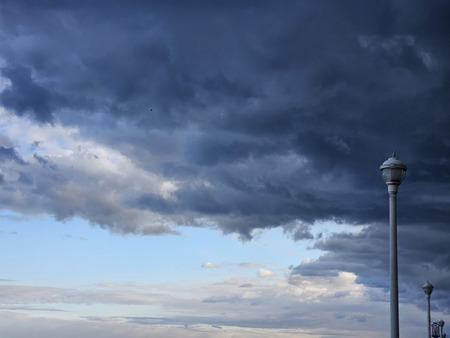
(393, 172)
(435, 332)
(441, 324)
(428, 289)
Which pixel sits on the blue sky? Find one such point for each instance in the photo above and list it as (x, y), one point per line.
(65, 247)
(211, 168)
(45, 258)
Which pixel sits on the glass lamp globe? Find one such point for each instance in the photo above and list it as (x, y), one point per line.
(393, 170)
(427, 288)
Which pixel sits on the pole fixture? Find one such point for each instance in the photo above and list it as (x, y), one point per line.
(428, 289)
(393, 172)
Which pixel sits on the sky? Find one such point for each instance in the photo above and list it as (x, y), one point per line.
(210, 168)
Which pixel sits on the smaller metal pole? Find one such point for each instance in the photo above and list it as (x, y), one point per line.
(429, 316)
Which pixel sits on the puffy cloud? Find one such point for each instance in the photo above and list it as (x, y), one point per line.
(236, 117)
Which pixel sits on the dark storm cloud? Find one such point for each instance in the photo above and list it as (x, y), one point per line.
(352, 252)
(299, 231)
(24, 95)
(267, 114)
(422, 256)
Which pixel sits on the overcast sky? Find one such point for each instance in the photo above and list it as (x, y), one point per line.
(211, 167)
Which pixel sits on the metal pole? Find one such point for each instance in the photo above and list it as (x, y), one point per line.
(428, 290)
(392, 189)
(393, 172)
(429, 316)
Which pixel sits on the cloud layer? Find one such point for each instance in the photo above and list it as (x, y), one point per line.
(264, 307)
(146, 117)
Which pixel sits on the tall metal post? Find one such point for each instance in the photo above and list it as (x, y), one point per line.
(428, 289)
(429, 316)
(392, 189)
(393, 172)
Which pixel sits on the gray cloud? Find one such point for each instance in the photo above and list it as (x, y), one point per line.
(10, 154)
(263, 115)
(24, 95)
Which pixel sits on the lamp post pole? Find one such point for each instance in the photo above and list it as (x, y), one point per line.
(428, 289)
(441, 324)
(393, 172)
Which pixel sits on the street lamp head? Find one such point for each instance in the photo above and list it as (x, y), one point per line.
(427, 288)
(393, 171)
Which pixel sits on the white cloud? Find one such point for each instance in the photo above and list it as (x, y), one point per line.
(209, 265)
(316, 289)
(71, 175)
(200, 308)
(265, 273)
